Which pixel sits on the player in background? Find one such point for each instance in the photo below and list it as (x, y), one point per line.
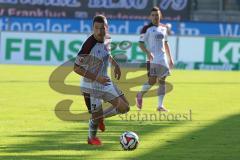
(92, 63)
(153, 41)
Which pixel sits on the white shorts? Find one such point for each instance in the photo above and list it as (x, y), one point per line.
(94, 96)
(158, 67)
(157, 70)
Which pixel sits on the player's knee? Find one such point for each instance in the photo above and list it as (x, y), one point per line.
(161, 81)
(127, 108)
(152, 81)
(124, 108)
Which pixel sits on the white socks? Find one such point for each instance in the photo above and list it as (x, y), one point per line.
(145, 88)
(161, 93)
(111, 111)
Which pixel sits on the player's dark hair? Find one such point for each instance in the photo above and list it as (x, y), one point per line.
(100, 19)
(155, 8)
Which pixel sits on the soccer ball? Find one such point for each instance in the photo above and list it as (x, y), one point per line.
(129, 140)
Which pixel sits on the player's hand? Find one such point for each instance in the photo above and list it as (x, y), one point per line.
(103, 80)
(150, 56)
(171, 64)
(117, 72)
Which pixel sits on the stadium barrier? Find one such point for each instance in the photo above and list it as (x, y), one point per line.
(56, 48)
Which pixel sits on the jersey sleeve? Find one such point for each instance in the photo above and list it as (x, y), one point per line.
(143, 34)
(85, 50)
(166, 36)
(81, 55)
(78, 60)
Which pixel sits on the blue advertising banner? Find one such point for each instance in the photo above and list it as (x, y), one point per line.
(68, 25)
(208, 28)
(116, 26)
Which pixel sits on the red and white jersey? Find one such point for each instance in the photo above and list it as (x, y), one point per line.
(93, 56)
(154, 38)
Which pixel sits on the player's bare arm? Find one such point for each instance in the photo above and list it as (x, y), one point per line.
(168, 52)
(145, 50)
(87, 74)
(117, 70)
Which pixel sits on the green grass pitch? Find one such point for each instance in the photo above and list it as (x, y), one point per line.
(30, 130)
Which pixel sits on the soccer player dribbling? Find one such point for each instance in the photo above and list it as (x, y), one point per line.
(92, 63)
(153, 41)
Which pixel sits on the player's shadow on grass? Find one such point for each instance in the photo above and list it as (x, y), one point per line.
(219, 141)
(75, 140)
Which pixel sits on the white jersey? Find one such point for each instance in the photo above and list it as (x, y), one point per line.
(93, 56)
(154, 38)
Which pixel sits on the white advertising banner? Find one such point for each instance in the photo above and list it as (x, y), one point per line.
(191, 49)
(39, 48)
(57, 48)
